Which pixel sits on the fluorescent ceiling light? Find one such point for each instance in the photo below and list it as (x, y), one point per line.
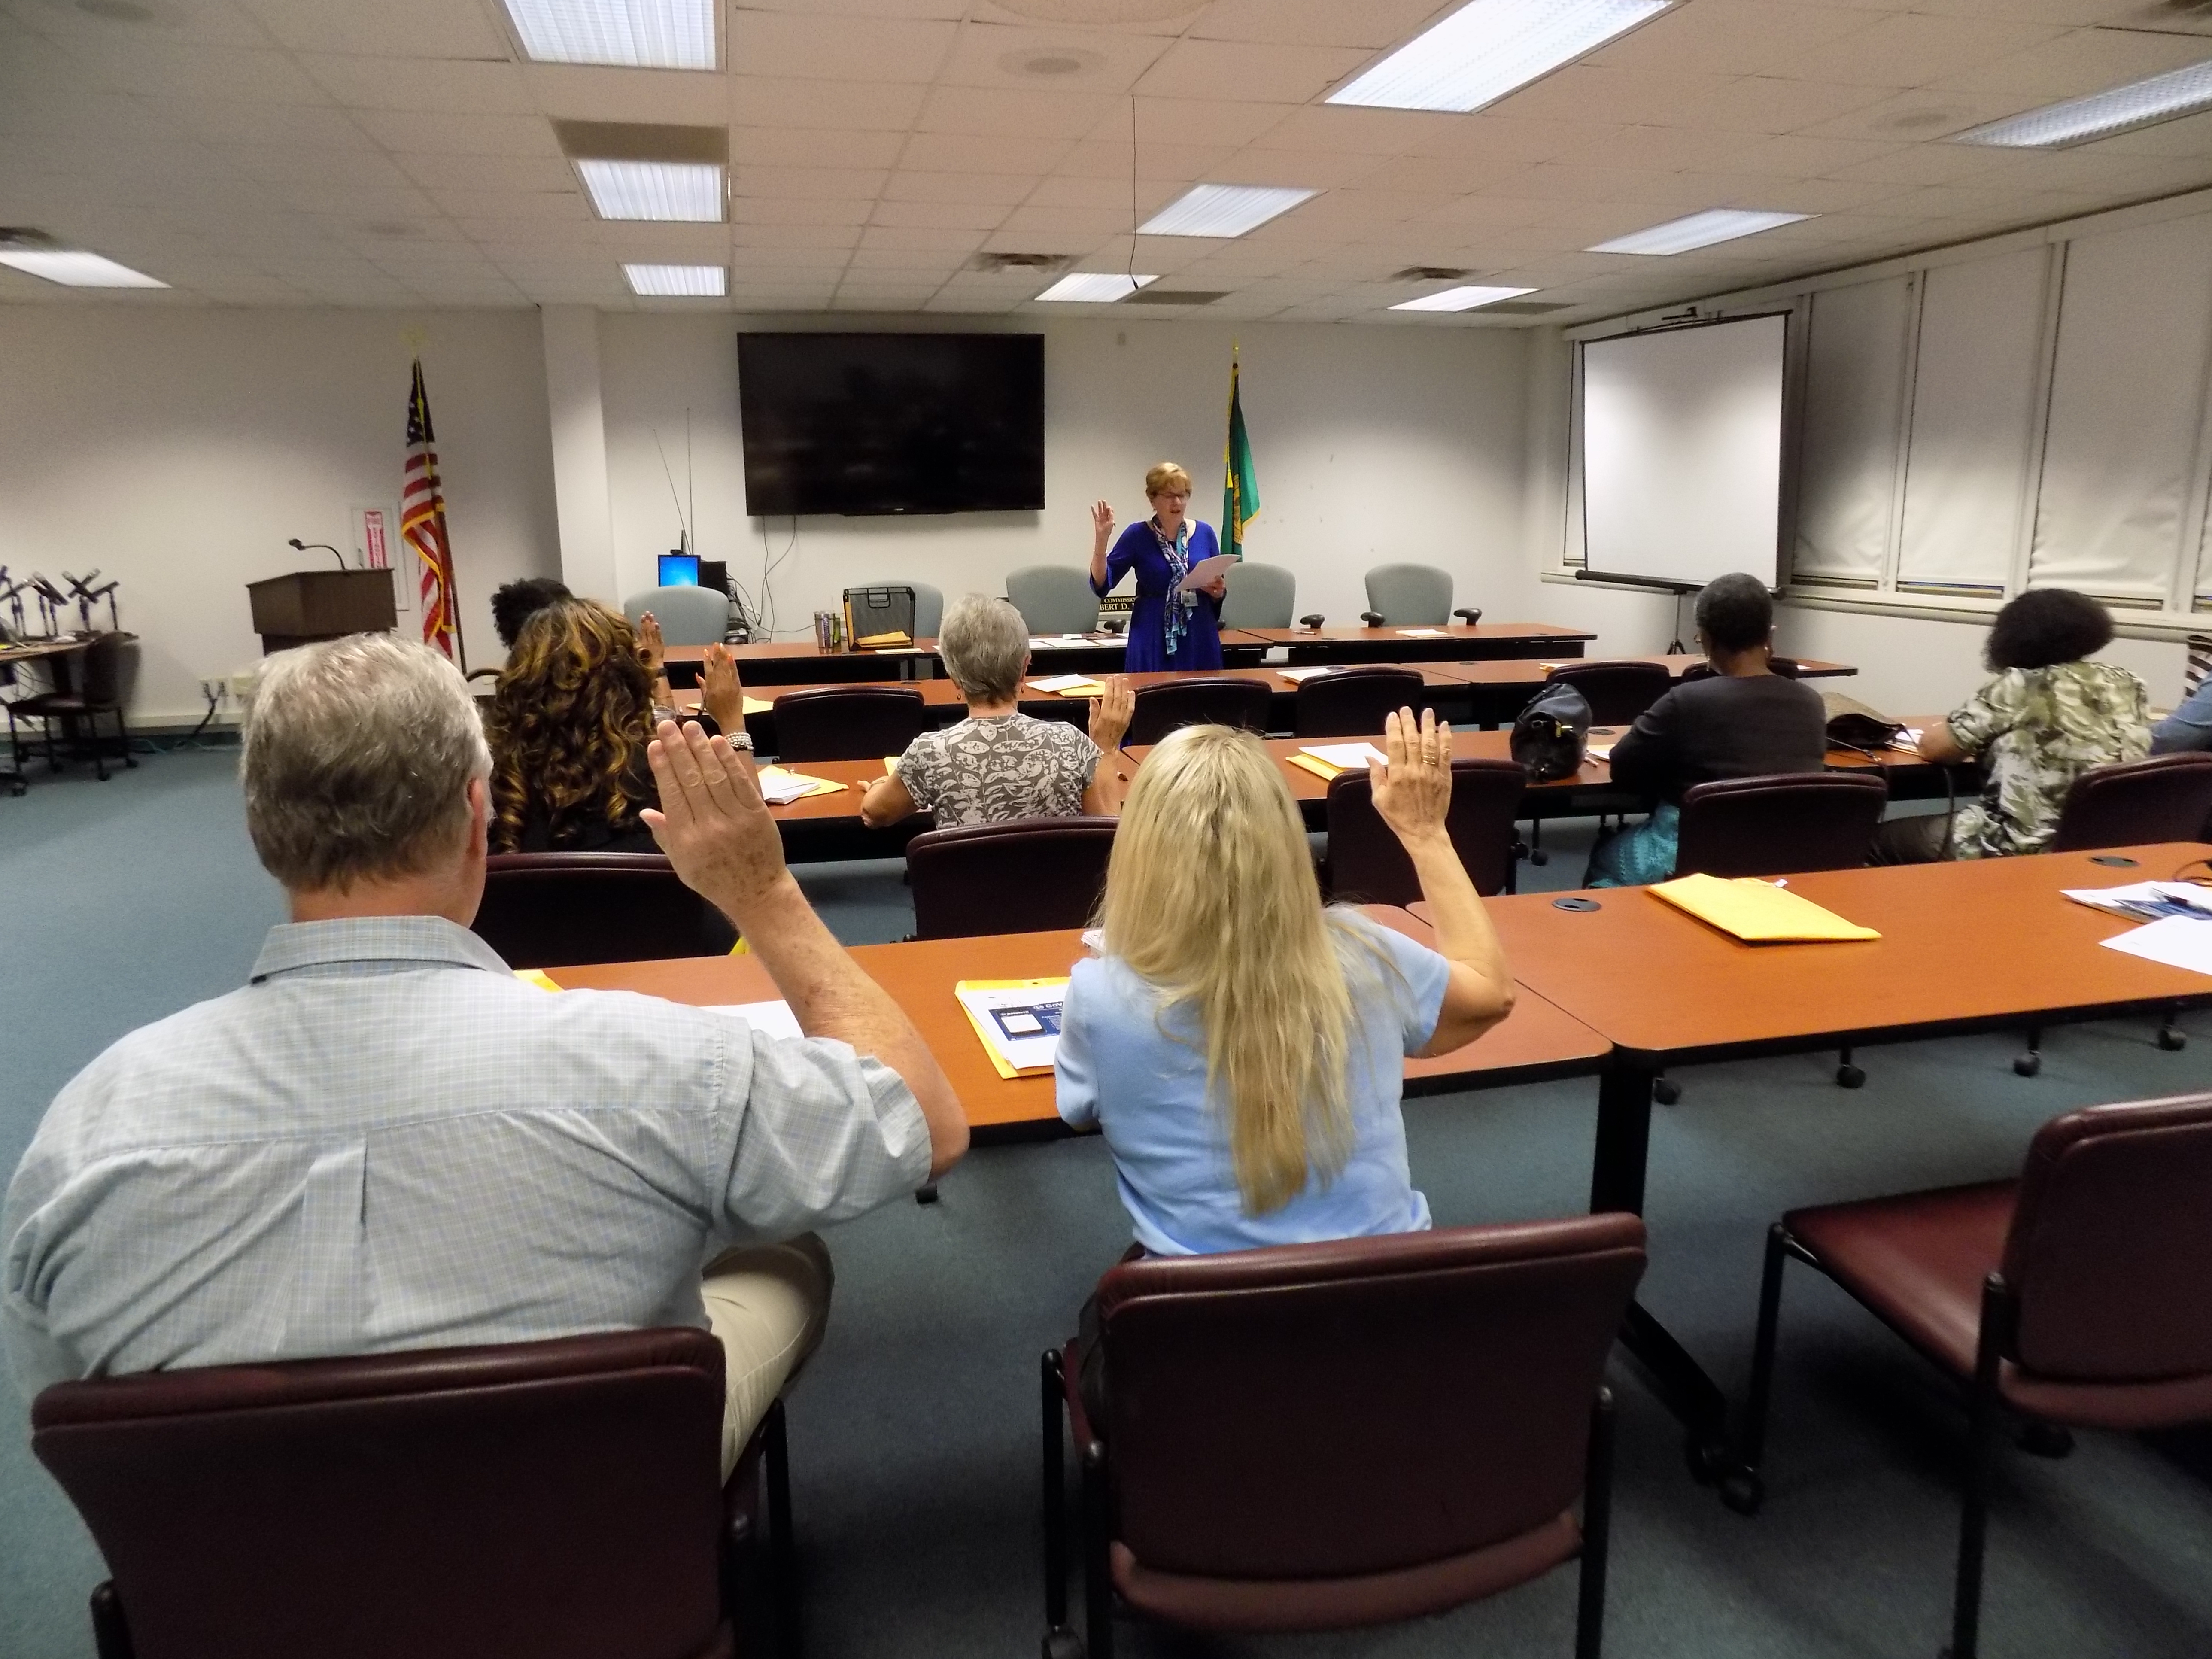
(654, 280)
(689, 191)
(2078, 120)
(1097, 286)
(1461, 299)
(632, 34)
(75, 270)
(1222, 210)
(1697, 230)
(1487, 48)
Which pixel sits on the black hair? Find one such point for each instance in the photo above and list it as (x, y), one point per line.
(519, 601)
(2045, 626)
(1735, 612)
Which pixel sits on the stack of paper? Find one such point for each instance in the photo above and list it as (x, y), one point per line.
(898, 638)
(1017, 1019)
(1070, 685)
(2148, 901)
(1756, 912)
(1060, 641)
(1423, 634)
(1298, 675)
(2177, 941)
(1203, 574)
(1333, 760)
(778, 788)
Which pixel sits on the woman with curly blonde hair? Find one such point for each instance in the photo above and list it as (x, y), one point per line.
(568, 726)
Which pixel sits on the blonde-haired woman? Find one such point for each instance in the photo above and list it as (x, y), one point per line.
(1238, 1045)
(1171, 626)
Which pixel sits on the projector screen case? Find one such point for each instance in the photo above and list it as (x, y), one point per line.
(1681, 431)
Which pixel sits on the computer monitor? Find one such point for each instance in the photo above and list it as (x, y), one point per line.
(679, 570)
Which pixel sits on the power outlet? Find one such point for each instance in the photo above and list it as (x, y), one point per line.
(242, 685)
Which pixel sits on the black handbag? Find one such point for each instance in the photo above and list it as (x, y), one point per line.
(1549, 734)
(1852, 725)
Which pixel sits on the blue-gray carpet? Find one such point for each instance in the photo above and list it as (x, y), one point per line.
(913, 1434)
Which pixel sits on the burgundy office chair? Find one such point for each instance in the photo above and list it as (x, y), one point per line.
(1022, 877)
(1320, 1436)
(1366, 865)
(557, 910)
(847, 722)
(1351, 703)
(2134, 803)
(99, 690)
(1161, 709)
(1617, 691)
(540, 1500)
(2073, 1296)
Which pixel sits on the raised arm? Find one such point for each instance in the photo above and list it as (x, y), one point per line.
(716, 832)
(1412, 793)
(1102, 538)
(1109, 723)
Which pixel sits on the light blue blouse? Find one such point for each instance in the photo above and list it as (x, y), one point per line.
(1138, 1071)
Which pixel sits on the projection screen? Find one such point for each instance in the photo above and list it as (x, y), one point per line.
(1681, 433)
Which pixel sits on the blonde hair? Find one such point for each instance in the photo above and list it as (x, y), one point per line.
(1164, 476)
(1211, 897)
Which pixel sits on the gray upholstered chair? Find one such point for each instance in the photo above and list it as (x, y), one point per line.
(1260, 596)
(687, 616)
(1052, 599)
(1411, 596)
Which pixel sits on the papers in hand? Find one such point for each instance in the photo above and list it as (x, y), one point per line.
(1069, 685)
(1017, 1019)
(1756, 912)
(1333, 760)
(773, 1019)
(2177, 941)
(1206, 572)
(780, 788)
(2148, 901)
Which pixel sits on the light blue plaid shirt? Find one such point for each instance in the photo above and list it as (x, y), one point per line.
(386, 1141)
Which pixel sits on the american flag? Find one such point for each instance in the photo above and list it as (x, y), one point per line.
(422, 527)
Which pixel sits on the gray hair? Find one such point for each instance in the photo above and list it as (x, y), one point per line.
(356, 758)
(984, 643)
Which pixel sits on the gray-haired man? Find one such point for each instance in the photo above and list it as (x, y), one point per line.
(385, 1141)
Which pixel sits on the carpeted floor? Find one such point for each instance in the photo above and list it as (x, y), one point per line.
(913, 1434)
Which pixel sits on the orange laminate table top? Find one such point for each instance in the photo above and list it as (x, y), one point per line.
(1467, 744)
(1530, 671)
(1973, 943)
(1536, 1040)
(1482, 631)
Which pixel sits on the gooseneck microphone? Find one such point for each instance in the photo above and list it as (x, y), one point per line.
(299, 546)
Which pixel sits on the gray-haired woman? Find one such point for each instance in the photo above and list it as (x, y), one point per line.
(999, 763)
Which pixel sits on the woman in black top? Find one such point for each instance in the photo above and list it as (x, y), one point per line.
(1742, 721)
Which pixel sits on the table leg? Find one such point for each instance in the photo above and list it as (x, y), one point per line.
(1624, 1137)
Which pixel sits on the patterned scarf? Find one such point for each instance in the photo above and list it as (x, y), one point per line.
(1177, 554)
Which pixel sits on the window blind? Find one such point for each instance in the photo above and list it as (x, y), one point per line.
(1854, 406)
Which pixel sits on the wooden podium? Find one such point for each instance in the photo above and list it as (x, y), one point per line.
(309, 606)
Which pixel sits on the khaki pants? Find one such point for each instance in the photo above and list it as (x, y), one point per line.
(767, 1304)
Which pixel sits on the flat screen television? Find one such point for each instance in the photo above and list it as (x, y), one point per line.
(863, 424)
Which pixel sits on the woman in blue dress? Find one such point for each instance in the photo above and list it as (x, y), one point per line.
(1167, 628)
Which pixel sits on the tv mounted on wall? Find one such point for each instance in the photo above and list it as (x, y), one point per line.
(863, 424)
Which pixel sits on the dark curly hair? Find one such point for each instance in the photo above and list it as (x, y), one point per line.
(569, 725)
(519, 601)
(1735, 611)
(2046, 626)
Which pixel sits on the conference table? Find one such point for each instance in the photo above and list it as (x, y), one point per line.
(1452, 642)
(1535, 1043)
(59, 651)
(1972, 946)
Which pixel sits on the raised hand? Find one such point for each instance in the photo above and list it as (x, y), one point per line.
(720, 693)
(1110, 713)
(1101, 527)
(1412, 787)
(712, 823)
(650, 646)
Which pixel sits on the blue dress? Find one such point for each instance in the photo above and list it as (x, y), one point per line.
(1139, 548)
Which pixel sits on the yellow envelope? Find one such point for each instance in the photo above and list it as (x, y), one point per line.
(1756, 912)
(536, 976)
(758, 705)
(1318, 767)
(998, 1061)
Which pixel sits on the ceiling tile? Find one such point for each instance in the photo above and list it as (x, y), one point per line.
(306, 127)
(336, 169)
(1625, 96)
(1183, 162)
(444, 86)
(1922, 116)
(809, 184)
(529, 173)
(461, 135)
(568, 206)
(1732, 37)
(807, 47)
(2080, 62)
(939, 216)
(1301, 169)
(799, 210)
(808, 238)
(805, 148)
(1767, 104)
(1372, 24)
(580, 93)
(1021, 113)
(920, 238)
(1911, 49)
(955, 152)
(1246, 73)
(837, 106)
(390, 28)
(1077, 60)
(1001, 190)
(173, 71)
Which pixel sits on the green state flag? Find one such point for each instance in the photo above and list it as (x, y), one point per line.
(1240, 490)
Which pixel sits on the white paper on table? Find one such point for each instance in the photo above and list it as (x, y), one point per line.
(1202, 574)
(1599, 751)
(1060, 641)
(2177, 941)
(2152, 897)
(773, 1019)
(1423, 634)
(1058, 683)
(780, 788)
(1020, 1023)
(1296, 675)
(1908, 740)
(1346, 756)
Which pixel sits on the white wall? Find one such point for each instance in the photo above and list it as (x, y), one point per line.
(178, 448)
(1371, 444)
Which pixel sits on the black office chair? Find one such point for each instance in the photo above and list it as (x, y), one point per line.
(99, 691)
(1352, 702)
(1617, 691)
(559, 909)
(1024, 876)
(847, 722)
(1366, 865)
(1161, 709)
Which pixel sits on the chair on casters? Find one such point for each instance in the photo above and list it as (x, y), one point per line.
(2131, 804)
(560, 909)
(1054, 598)
(1352, 702)
(1617, 691)
(1260, 596)
(1197, 700)
(2070, 1299)
(1786, 823)
(847, 722)
(559, 1500)
(1412, 596)
(100, 692)
(1366, 865)
(1318, 1436)
(1027, 876)
(687, 616)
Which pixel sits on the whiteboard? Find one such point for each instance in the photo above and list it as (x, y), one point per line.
(1682, 451)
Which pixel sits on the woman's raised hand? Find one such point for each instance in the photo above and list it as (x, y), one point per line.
(1413, 785)
(720, 693)
(650, 646)
(1110, 713)
(1101, 527)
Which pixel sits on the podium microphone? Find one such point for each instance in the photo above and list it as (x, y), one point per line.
(299, 546)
